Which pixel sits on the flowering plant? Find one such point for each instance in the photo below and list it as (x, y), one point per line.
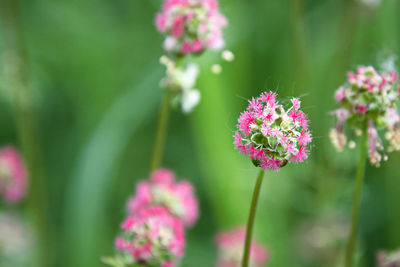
(271, 135)
(369, 102)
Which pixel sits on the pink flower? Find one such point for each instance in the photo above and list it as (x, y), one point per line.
(230, 249)
(270, 135)
(162, 189)
(340, 94)
(304, 138)
(186, 48)
(245, 120)
(178, 27)
(13, 175)
(152, 235)
(361, 108)
(295, 103)
(301, 155)
(197, 46)
(161, 22)
(195, 23)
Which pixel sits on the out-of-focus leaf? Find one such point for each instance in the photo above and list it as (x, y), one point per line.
(89, 190)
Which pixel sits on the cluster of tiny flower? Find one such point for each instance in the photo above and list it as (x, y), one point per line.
(180, 84)
(191, 26)
(152, 237)
(154, 232)
(230, 249)
(162, 189)
(13, 176)
(271, 135)
(368, 103)
(388, 259)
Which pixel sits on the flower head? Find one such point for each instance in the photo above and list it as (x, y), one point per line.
(151, 237)
(13, 176)
(271, 135)
(388, 259)
(368, 102)
(162, 189)
(191, 26)
(230, 249)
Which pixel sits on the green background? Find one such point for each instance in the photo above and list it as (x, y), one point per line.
(94, 81)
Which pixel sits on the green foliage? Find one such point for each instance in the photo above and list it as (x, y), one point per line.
(94, 69)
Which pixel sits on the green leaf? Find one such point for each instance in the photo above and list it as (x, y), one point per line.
(88, 193)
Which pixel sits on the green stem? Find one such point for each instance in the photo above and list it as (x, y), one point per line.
(161, 132)
(351, 244)
(27, 125)
(250, 221)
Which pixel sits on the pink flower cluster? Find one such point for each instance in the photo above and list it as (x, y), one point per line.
(152, 236)
(154, 232)
(271, 135)
(162, 189)
(13, 176)
(230, 249)
(191, 26)
(368, 102)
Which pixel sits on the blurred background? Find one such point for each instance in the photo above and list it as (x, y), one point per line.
(87, 78)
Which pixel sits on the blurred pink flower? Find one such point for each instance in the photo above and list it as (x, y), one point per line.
(230, 249)
(369, 99)
(195, 25)
(162, 189)
(152, 235)
(271, 135)
(13, 175)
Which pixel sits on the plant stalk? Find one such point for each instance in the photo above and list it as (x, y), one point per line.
(250, 221)
(161, 132)
(351, 243)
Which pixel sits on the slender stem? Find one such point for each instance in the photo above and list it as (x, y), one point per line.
(351, 244)
(161, 132)
(250, 221)
(17, 62)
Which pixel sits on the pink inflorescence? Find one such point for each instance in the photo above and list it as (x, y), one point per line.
(271, 135)
(13, 176)
(162, 189)
(191, 26)
(368, 102)
(152, 237)
(230, 249)
(153, 233)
